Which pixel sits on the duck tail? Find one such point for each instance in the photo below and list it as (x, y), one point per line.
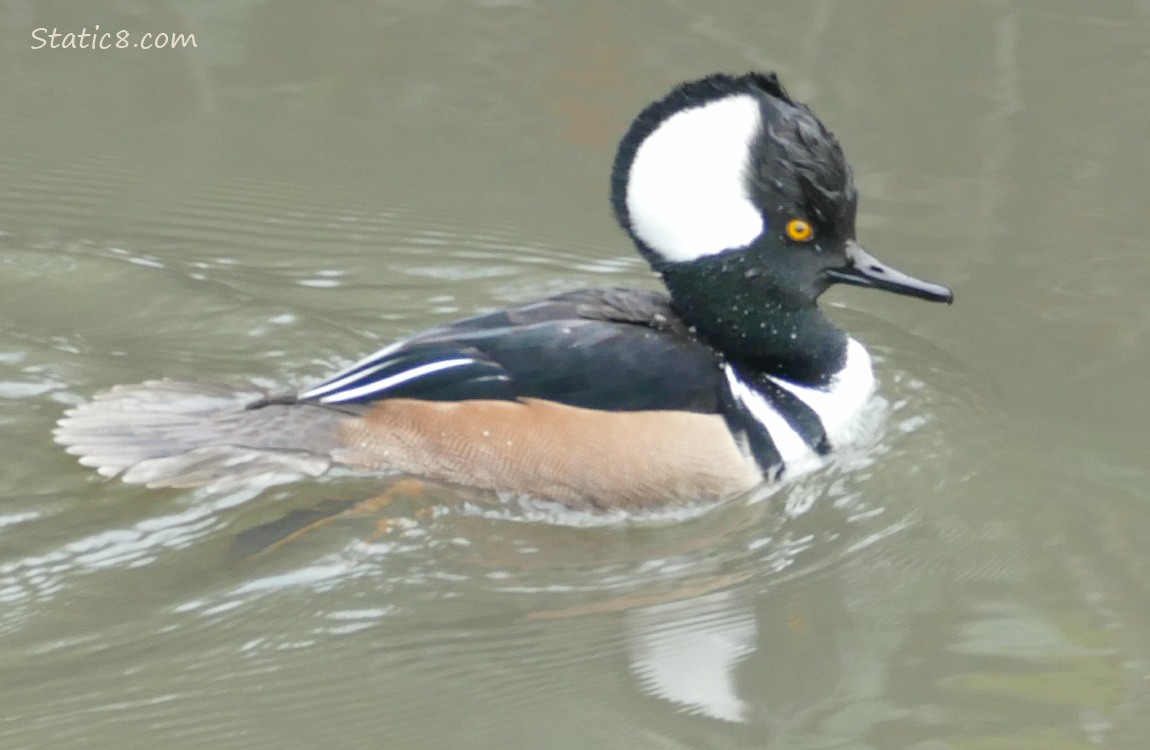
(168, 433)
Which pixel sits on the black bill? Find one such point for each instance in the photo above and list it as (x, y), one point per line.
(863, 269)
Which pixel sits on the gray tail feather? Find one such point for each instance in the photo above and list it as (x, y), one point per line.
(167, 433)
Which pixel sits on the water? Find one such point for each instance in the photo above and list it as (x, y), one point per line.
(311, 182)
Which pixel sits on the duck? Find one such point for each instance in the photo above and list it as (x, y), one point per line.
(743, 204)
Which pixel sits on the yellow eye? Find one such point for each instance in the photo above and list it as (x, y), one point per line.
(800, 231)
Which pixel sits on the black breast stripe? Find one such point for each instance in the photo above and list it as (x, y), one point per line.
(798, 414)
(793, 410)
(752, 433)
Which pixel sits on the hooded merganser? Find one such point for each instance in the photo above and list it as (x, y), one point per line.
(737, 196)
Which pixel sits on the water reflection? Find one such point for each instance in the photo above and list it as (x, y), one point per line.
(687, 652)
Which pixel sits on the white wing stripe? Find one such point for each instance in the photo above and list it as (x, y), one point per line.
(352, 376)
(397, 379)
(354, 369)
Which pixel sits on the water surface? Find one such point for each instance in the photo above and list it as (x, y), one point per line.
(313, 181)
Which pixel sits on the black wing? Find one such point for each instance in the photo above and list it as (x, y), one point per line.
(615, 349)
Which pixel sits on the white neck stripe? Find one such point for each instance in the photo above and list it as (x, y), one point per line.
(841, 401)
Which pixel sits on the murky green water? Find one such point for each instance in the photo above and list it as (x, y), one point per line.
(314, 180)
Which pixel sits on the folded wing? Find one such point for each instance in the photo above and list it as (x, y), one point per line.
(614, 350)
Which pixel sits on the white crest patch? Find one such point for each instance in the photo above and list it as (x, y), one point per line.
(686, 190)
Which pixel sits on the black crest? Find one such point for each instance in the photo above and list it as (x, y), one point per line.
(801, 161)
(804, 163)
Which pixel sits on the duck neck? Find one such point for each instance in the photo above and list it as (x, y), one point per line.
(758, 324)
